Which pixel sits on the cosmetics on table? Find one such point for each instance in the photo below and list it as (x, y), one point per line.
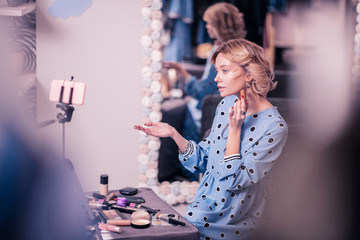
(120, 201)
(133, 199)
(112, 217)
(107, 207)
(98, 196)
(124, 209)
(118, 222)
(128, 191)
(150, 210)
(111, 214)
(140, 219)
(98, 204)
(109, 227)
(169, 218)
(99, 216)
(104, 180)
(140, 214)
(110, 196)
(140, 223)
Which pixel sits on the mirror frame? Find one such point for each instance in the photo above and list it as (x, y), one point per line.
(152, 53)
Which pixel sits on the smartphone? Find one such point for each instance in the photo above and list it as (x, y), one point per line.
(68, 92)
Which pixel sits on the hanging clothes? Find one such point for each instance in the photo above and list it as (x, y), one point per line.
(181, 13)
(277, 6)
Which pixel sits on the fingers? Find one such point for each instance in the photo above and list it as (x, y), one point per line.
(238, 110)
(148, 131)
(231, 112)
(151, 128)
(242, 94)
(243, 108)
(138, 127)
(149, 124)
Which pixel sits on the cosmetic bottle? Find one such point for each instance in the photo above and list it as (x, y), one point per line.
(104, 179)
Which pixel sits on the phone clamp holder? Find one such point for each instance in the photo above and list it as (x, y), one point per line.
(68, 111)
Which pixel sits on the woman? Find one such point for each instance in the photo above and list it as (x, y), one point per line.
(246, 138)
(223, 22)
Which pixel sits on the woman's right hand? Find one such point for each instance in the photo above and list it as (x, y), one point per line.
(156, 129)
(178, 67)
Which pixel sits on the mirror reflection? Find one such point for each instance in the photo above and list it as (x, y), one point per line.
(222, 22)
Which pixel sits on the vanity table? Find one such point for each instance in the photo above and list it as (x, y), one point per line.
(158, 232)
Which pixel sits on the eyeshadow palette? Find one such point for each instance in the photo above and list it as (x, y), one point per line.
(112, 214)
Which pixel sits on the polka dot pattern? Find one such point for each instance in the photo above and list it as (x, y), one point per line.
(227, 198)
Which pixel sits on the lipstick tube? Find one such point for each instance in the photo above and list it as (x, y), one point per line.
(118, 222)
(109, 227)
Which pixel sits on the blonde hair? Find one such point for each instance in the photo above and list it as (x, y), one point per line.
(226, 19)
(251, 58)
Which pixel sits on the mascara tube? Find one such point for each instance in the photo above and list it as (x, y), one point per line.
(170, 220)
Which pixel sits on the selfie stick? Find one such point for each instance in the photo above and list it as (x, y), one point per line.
(62, 117)
(66, 116)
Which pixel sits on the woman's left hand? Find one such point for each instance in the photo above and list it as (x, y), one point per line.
(156, 129)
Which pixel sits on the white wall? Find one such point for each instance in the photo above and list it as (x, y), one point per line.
(101, 48)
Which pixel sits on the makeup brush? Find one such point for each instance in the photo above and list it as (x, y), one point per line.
(169, 219)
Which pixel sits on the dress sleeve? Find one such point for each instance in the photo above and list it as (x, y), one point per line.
(199, 88)
(239, 171)
(195, 159)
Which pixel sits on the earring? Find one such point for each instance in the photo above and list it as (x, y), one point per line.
(247, 85)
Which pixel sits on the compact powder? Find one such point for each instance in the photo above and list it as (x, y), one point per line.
(140, 223)
(140, 214)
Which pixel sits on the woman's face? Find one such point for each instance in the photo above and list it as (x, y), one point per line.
(213, 33)
(230, 77)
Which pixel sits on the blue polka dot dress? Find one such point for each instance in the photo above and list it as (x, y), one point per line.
(231, 196)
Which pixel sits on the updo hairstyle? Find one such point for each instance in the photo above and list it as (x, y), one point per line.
(253, 61)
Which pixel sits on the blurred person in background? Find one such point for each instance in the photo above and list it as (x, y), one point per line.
(315, 192)
(39, 196)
